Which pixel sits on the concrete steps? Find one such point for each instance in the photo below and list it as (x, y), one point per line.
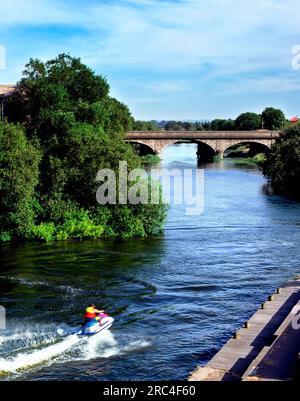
(242, 358)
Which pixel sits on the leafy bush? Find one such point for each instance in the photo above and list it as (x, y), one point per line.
(76, 225)
(282, 164)
(5, 236)
(259, 158)
(44, 231)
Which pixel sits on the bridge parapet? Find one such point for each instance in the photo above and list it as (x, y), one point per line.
(261, 134)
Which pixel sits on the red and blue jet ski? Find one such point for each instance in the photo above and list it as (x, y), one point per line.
(96, 326)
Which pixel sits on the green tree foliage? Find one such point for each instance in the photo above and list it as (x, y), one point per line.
(274, 119)
(248, 122)
(76, 224)
(152, 125)
(282, 164)
(222, 125)
(139, 125)
(174, 126)
(66, 108)
(19, 174)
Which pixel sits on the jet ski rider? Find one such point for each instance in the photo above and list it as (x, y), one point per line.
(91, 313)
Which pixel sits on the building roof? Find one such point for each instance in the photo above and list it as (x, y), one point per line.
(294, 119)
(6, 90)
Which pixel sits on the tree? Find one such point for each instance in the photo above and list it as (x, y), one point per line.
(222, 125)
(206, 125)
(282, 164)
(173, 126)
(112, 115)
(80, 129)
(139, 125)
(59, 85)
(248, 122)
(273, 119)
(19, 173)
(188, 126)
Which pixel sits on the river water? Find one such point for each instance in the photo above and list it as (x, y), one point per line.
(176, 298)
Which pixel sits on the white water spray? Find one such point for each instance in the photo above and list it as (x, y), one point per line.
(24, 361)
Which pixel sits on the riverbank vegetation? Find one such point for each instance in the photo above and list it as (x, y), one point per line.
(245, 155)
(150, 159)
(282, 164)
(62, 127)
(255, 160)
(270, 118)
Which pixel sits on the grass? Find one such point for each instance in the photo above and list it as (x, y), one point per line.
(258, 159)
(217, 159)
(150, 159)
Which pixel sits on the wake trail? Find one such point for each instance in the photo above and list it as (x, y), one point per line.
(23, 361)
(27, 349)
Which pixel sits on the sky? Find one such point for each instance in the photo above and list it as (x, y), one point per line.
(167, 59)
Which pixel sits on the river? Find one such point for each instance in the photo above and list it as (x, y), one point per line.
(176, 298)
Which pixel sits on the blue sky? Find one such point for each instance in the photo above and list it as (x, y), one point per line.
(184, 59)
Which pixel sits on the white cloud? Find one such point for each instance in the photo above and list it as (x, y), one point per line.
(162, 35)
(166, 46)
(34, 12)
(190, 33)
(2, 57)
(265, 85)
(167, 86)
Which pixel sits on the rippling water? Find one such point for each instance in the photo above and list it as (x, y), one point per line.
(176, 298)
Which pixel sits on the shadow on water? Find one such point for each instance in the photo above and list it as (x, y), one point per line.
(85, 272)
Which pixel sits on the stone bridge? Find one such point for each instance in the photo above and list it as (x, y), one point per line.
(210, 143)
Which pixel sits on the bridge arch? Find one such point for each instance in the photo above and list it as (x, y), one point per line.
(157, 146)
(142, 147)
(178, 142)
(255, 147)
(205, 152)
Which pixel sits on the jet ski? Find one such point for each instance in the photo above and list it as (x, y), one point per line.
(96, 326)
